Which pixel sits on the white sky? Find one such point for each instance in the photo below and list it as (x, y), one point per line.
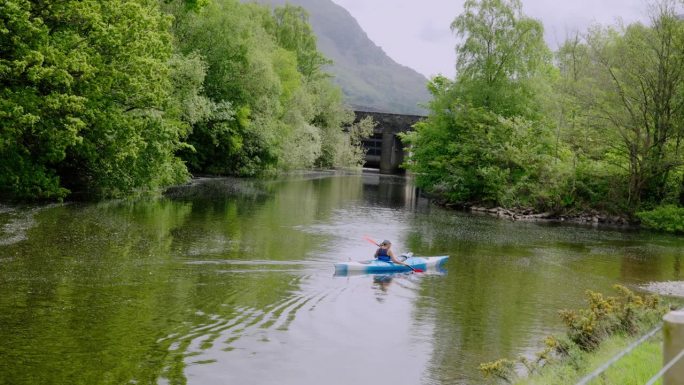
(416, 33)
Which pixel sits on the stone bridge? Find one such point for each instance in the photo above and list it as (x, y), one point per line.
(384, 149)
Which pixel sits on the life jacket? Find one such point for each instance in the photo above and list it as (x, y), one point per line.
(383, 256)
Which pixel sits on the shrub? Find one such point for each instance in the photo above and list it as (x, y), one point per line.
(501, 369)
(606, 316)
(668, 218)
(626, 313)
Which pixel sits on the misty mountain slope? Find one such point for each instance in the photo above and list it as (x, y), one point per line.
(369, 78)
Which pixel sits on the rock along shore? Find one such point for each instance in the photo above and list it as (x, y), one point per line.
(529, 215)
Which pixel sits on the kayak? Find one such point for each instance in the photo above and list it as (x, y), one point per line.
(377, 267)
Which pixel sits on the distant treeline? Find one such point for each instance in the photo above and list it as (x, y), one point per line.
(109, 97)
(597, 125)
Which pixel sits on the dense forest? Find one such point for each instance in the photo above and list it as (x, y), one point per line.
(107, 98)
(596, 126)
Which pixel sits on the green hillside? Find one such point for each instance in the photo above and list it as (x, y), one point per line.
(370, 79)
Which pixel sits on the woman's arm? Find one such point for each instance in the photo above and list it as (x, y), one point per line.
(394, 259)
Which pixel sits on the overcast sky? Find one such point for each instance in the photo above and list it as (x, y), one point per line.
(416, 33)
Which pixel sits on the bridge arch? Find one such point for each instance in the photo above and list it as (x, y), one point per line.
(384, 149)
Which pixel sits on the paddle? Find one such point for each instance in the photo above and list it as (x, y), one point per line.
(369, 239)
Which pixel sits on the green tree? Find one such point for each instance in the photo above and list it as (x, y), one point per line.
(293, 32)
(264, 64)
(469, 154)
(86, 99)
(239, 56)
(501, 55)
(485, 139)
(641, 74)
(598, 178)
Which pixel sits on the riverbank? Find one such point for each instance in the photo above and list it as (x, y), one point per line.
(595, 335)
(635, 368)
(528, 214)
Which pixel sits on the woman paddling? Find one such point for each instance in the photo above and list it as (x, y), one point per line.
(385, 254)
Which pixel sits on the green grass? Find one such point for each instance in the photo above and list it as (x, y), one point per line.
(635, 368)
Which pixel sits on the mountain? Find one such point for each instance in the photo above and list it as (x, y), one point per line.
(370, 80)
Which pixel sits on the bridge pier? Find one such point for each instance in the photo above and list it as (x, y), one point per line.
(384, 149)
(391, 154)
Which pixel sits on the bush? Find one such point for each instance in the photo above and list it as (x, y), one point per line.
(624, 314)
(607, 316)
(500, 369)
(668, 218)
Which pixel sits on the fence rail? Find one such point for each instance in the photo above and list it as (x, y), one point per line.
(614, 359)
(665, 368)
(673, 351)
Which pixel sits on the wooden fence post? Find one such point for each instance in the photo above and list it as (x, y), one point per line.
(673, 344)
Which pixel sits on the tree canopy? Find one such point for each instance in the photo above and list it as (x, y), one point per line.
(485, 138)
(501, 54)
(86, 98)
(598, 128)
(107, 98)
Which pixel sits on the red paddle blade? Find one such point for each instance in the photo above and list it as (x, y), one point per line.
(369, 239)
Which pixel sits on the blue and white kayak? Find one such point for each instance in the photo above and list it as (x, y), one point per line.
(377, 267)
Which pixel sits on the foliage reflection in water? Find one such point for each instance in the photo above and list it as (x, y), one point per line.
(231, 281)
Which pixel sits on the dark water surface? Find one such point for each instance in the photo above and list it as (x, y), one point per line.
(231, 282)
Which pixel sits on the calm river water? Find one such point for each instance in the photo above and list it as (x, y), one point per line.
(231, 282)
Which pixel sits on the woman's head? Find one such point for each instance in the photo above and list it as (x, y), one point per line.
(386, 244)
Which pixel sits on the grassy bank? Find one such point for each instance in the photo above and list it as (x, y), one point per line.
(635, 368)
(593, 336)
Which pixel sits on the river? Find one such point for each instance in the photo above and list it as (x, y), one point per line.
(231, 282)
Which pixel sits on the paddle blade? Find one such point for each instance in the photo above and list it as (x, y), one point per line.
(369, 239)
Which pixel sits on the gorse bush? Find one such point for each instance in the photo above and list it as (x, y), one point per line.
(502, 369)
(606, 316)
(624, 314)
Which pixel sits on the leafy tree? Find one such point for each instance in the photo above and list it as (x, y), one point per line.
(640, 72)
(239, 57)
(577, 126)
(469, 154)
(450, 154)
(190, 4)
(501, 54)
(86, 99)
(106, 98)
(485, 139)
(265, 65)
(293, 32)
(598, 177)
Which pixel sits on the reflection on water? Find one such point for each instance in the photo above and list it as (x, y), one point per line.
(229, 281)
